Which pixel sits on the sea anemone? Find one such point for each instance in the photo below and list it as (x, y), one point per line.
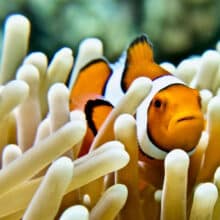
(41, 175)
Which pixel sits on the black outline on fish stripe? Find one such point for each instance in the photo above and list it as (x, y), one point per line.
(142, 38)
(93, 62)
(106, 82)
(89, 111)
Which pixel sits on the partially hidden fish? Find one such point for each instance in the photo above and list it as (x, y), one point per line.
(170, 116)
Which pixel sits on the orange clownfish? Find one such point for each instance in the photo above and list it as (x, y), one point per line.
(169, 117)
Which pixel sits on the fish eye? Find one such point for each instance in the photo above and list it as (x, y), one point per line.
(157, 103)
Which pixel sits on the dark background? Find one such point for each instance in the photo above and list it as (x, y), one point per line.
(177, 28)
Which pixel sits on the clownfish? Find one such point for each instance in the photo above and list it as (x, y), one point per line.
(170, 116)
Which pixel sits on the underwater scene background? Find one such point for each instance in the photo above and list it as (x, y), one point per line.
(177, 28)
(44, 46)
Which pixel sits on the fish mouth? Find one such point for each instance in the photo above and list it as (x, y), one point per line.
(186, 130)
(186, 118)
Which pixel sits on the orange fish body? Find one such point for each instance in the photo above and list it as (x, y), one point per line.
(87, 95)
(170, 117)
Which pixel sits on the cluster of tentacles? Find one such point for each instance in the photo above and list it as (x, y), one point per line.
(41, 175)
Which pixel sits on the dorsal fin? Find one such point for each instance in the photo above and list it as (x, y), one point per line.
(91, 80)
(96, 112)
(140, 62)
